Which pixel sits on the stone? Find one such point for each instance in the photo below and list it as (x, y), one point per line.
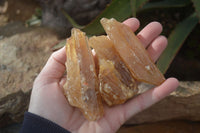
(116, 82)
(132, 52)
(82, 86)
(183, 104)
(12, 28)
(22, 57)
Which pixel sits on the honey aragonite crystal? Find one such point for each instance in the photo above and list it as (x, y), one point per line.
(132, 52)
(116, 82)
(122, 63)
(82, 87)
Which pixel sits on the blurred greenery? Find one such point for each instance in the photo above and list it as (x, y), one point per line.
(175, 40)
(162, 4)
(196, 4)
(118, 9)
(35, 20)
(177, 32)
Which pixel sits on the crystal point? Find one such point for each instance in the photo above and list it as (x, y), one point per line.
(116, 82)
(132, 52)
(82, 87)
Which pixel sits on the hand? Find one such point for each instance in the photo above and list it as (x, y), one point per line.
(48, 101)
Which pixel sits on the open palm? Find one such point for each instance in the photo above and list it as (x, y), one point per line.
(48, 101)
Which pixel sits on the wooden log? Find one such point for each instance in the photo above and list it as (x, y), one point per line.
(183, 104)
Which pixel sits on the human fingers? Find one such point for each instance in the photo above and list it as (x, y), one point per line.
(55, 66)
(149, 33)
(149, 98)
(133, 23)
(156, 48)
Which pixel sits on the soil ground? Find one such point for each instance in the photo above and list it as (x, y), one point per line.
(20, 10)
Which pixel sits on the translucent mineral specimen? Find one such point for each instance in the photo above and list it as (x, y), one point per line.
(82, 87)
(116, 82)
(132, 52)
(123, 61)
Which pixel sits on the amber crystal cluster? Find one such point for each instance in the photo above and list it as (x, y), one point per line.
(122, 63)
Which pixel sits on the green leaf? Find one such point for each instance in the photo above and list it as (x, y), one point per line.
(118, 9)
(71, 20)
(165, 4)
(196, 4)
(175, 41)
(136, 5)
(36, 18)
(140, 3)
(133, 7)
(59, 45)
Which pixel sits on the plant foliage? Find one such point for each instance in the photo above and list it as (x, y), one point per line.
(122, 9)
(176, 39)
